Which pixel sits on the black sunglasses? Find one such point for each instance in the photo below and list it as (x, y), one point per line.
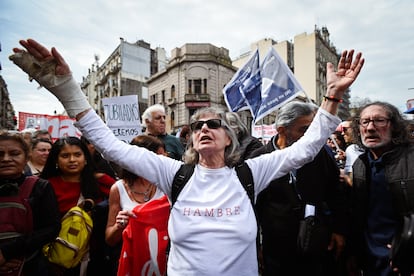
(212, 123)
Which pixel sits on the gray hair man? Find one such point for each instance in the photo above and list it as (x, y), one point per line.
(280, 207)
(153, 119)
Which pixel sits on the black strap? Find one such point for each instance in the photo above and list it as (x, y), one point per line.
(186, 171)
(180, 179)
(404, 189)
(246, 178)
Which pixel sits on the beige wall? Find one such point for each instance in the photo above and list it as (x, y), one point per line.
(192, 61)
(304, 63)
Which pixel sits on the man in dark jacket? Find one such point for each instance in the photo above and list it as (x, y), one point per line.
(280, 207)
(380, 177)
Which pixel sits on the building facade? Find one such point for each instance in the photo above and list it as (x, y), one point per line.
(193, 78)
(124, 72)
(8, 119)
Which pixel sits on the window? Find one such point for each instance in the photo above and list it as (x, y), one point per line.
(190, 86)
(172, 116)
(197, 86)
(191, 112)
(172, 91)
(163, 96)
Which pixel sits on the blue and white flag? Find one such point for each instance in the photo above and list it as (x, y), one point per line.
(278, 85)
(241, 80)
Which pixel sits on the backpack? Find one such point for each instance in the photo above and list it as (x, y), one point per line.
(15, 212)
(16, 217)
(72, 243)
(186, 171)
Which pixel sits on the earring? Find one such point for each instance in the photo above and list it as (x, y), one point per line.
(57, 166)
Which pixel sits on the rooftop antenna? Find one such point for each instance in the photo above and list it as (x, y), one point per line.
(96, 56)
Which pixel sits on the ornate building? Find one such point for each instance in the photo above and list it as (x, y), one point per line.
(193, 78)
(8, 119)
(124, 72)
(7, 115)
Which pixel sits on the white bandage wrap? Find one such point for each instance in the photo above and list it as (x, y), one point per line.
(63, 87)
(71, 96)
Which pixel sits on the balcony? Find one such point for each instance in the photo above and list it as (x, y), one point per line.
(197, 97)
(115, 68)
(171, 101)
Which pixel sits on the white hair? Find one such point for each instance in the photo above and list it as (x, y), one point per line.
(147, 115)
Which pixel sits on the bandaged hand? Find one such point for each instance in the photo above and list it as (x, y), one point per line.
(51, 71)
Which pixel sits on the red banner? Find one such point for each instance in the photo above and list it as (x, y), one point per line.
(145, 240)
(57, 125)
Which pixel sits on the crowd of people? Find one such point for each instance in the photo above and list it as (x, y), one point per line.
(344, 174)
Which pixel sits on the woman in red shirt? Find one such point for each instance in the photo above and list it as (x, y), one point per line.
(70, 170)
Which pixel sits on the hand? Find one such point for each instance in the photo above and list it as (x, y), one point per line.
(122, 219)
(348, 70)
(10, 266)
(50, 70)
(340, 155)
(337, 243)
(42, 54)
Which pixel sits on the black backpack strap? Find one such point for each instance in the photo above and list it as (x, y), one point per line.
(246, 178)
(180, 179)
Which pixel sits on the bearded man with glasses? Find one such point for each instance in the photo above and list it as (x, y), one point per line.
(377, 190)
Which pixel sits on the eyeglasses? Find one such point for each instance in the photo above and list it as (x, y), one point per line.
(159, 117)
(345, 129)
(378, 122)
(212, 123)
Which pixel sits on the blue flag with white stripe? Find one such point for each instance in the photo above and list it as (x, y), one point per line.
(278, 85)
(241, 80)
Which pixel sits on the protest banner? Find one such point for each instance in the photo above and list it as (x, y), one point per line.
(243, 79)
(279, 85)
(57, 125)
(263, 88)
(122, 116)
(264, 132)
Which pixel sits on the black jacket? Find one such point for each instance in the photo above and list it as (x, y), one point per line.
(279, 208)
(46, 222)
(398, 171)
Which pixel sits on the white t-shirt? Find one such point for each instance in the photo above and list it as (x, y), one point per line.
(352, 152)
(212, 225)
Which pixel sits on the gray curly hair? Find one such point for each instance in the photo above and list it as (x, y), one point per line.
(231, 152)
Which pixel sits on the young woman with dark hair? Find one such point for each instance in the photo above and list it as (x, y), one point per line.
(71, 171)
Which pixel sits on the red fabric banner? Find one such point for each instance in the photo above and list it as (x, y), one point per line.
(57, 125)
(145, 240)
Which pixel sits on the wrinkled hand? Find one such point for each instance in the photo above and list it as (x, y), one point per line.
(122, 219)
(348, 70)
(11, 265)
(51, 71)
(337, 243)
(42, 54)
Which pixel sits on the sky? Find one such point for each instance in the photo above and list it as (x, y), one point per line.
(383, 30)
